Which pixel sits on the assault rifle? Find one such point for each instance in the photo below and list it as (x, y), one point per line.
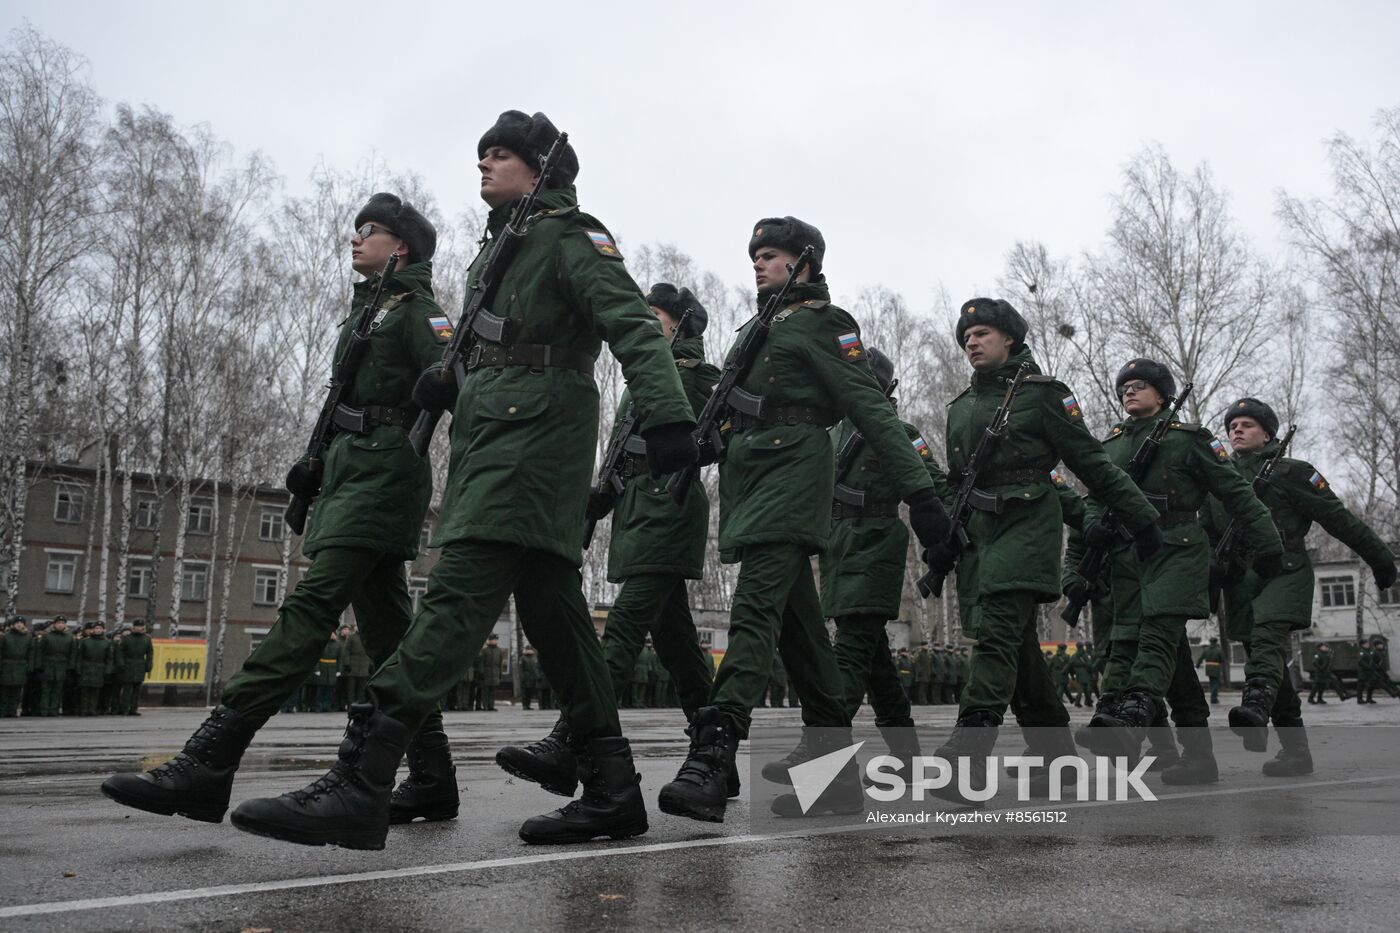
(1092, 564)
(342, 374)
(1223, 556)
(476, 321)
(610, 475)
(846, 456)
(727, 395)
(931, 584)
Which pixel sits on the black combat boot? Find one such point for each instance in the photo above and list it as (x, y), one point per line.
(1294, 758)
(1197, 761)
(1161, 742)
(777, 771)
(1049, 743)
(1250, 720)
(903, 743)
(195, 783)
(611, 804)
(700, 790)
(1091, 736)
(552, 762)
(972, 738)
(843, 796)
(1127, 727)
(430, 791)
(349, 805)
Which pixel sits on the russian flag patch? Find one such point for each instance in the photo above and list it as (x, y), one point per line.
(1055, 476)
(1219, 449)
(1317, 481)
(442, 327)
(852, 350)
(1071, 405)
(921, 447)
(603, 243)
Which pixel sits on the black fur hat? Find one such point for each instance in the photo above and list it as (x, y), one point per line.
(1253, 408)
(1149, 371)
(882, 366)
(677, 301)
(530, 138)
(994, 313)
(405, 222)
(790, 234)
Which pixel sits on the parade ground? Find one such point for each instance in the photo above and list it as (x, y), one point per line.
(1310, 853)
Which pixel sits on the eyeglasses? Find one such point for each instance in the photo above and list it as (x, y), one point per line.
(1137, 385)
(369, 230)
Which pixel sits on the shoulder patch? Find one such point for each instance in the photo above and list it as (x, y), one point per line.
(1040, 377)
(958, 396)
(1184, 426)
(1219, 450)
(1317, 481)
(815, 303)
(603, 243)
(1116, 432)
(1056, 477)
(852, 350)
(921, 447)
(442, 327)
(1071, 406)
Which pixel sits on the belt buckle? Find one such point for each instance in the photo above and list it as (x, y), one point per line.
(474, 356)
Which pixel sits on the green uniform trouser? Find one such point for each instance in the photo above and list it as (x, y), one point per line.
(863, 656)
(1007, 664)
(51, 698)
(488, 694)
(776, 692)
(87, 700)
(467, 591)
(9, 700)
(1268, 651)
(1144, 656)
(127, 698)
(373, 582)
(775, 601)
(1184, 694)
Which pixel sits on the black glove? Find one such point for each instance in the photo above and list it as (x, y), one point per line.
(599, 505)
(942, 558)
(928, 518)
(1385, 576)
(436, 389)
(1099, 535)
(302, 481)
(670, 447)
(1268, 566)
(708, 453)
(1077, 590)
(1147, 541)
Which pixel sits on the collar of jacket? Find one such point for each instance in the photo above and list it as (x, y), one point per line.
(1135, 425)
(689, 348)
(554, 199)
(803, 291)
(414, 277)
(1262, 453)
(1006, 371)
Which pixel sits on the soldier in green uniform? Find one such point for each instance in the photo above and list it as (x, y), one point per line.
(923, 674)
(1322, 676)
(478, 673)
(92, 657)
(1082, 664)
(1380, 666)
(904, 666)
(373, 495)
(1153, 598)
(111, 679)
(524, 435)
(355, 664)
(937, 678)
(32, 701)
(16, 646)
(134, 660)
(655, 547)
(327, 674)
(1365, 673)
(491, 658)
(529, 677)
(776, 479)
(1214, 660)
(1016, 530)
(57, 652)
(777, 682)
(1059, 671)
(641, 679)
(1262, 613)
(661, 689)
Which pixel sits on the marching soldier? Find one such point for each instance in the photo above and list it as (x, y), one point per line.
(16, 646)
(524, 433)
(1153, 598)
(134, 660)
(1262, 612)
(1373, 670)
(1015, 528)
(57, 654)
(776, 480)
(93, 658)
(371, 496)
(1322, 676)
(655, 547)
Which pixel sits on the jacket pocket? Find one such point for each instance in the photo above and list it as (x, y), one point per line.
(512, 405)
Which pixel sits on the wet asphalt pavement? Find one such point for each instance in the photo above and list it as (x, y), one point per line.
(1320, 852)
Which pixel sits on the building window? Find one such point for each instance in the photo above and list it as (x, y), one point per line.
(255, 638)
(265, 586)
(138, 579)
(1337, 591)
(147, 513)
(62, 570)
(194, 582)
(417, 586)
(1237, 653)
(270, 525)
(68, 504)
(1391, 597)
(201, 518)
(424, 536)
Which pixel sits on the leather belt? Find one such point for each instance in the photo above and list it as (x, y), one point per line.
(784, 414)
(533, 355)
(1168, 519)
(841, 511)
(364, 420)
(1024, 477)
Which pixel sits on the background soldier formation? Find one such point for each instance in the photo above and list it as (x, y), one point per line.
(51, 672)
(813, 460)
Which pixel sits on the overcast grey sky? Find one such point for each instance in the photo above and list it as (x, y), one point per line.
(923, 138)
